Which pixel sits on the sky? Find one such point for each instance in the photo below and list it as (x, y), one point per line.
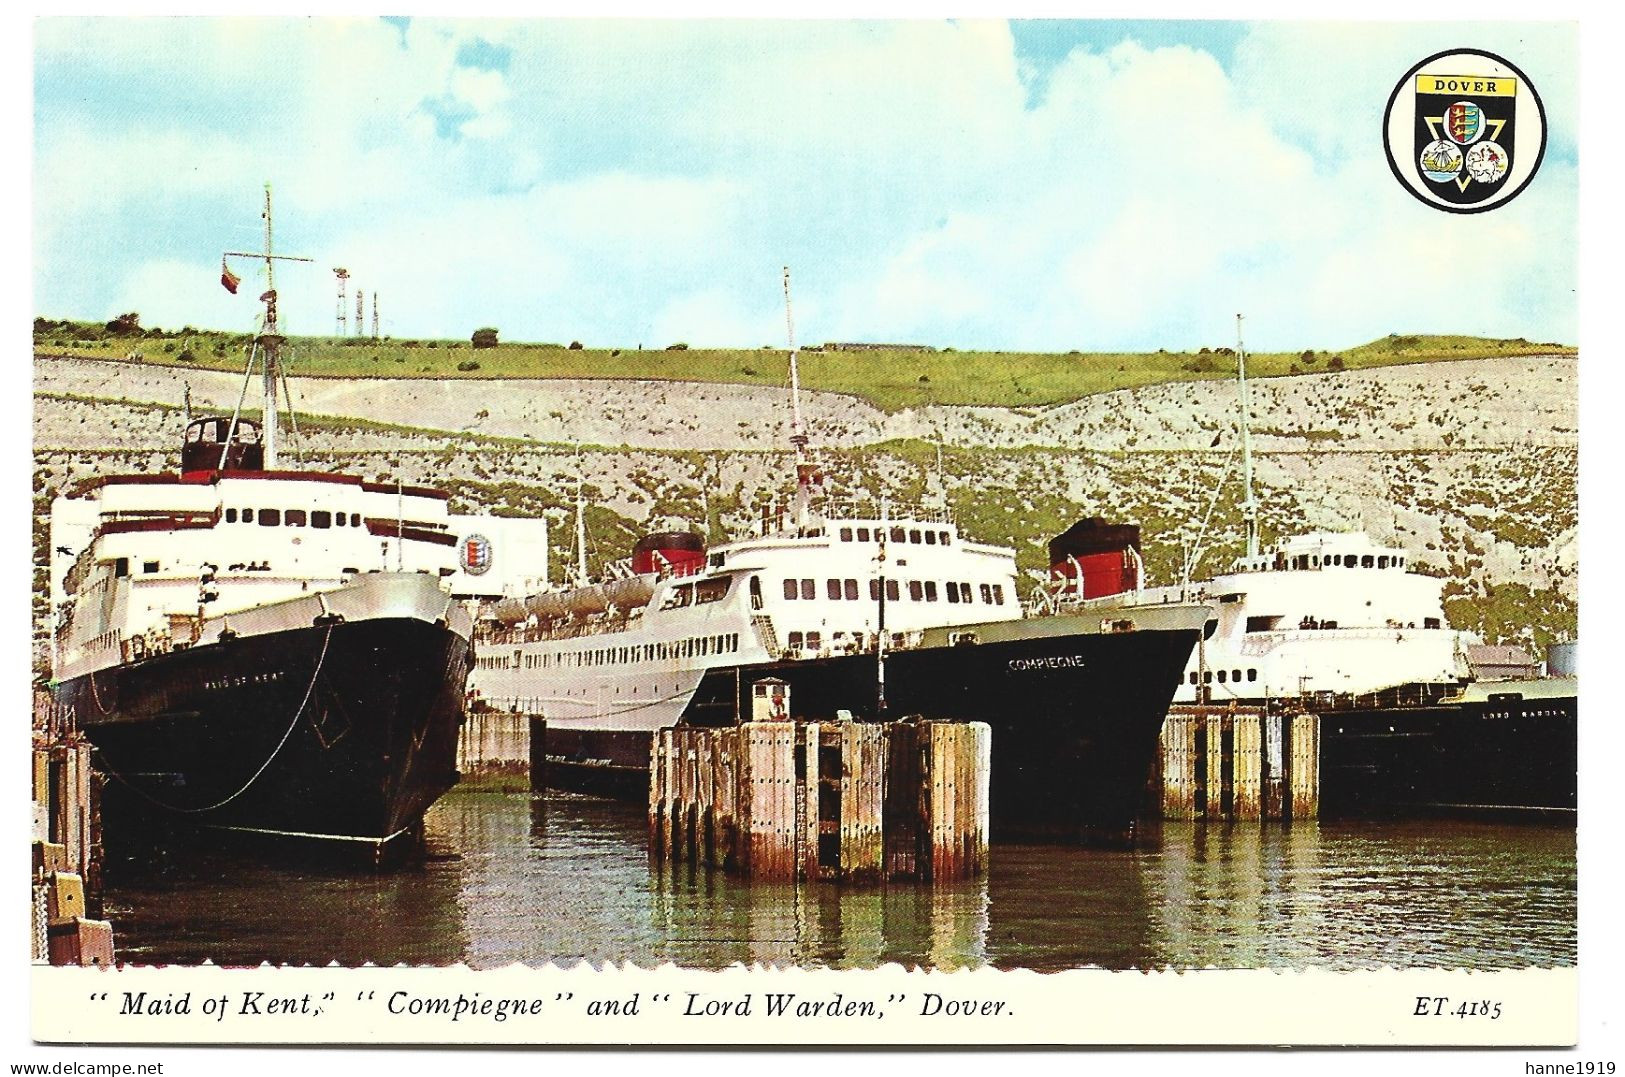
(1043, 185)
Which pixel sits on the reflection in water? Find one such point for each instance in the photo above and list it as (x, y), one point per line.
(565, 879)
(234, 907)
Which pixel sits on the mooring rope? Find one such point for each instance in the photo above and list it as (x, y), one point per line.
(297, 714)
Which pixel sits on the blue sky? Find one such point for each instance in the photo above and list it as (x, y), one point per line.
(1042, 184)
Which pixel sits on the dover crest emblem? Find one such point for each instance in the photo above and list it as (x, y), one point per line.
(1465, 131)
(474, 554)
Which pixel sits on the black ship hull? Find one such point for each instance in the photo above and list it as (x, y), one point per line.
(344, 731)
(1075, 720)
(1514, 757)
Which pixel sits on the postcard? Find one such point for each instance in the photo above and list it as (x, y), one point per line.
(846, 532)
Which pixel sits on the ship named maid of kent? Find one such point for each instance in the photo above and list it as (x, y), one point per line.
(865, 609)
(256, 649)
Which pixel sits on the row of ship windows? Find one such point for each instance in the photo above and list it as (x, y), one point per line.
(898, 534)
(1340, 560)
(693, 647)
(294, 518)
(1234, 675)
(918, 591)
(813, 641)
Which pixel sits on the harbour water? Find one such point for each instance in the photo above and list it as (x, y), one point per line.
(508, 878)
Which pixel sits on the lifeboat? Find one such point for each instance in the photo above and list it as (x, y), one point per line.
(585, 601)
(546, 605)
(630, 592)
(511, 611)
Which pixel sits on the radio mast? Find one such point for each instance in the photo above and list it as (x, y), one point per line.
(1249, 506)
(341, 325)
(269, 341)
(805, 471)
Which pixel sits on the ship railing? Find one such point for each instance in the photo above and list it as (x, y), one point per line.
(1419, 694)
(855, 643)
(780, 520)
(1260, 643)
(850, 510)
(1051, 597)
(557, 630)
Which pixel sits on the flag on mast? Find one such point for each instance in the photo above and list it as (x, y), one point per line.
(228, 279)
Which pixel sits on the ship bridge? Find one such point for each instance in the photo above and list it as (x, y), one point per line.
(1324, 550)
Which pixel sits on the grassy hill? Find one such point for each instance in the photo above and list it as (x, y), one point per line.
(890, 379)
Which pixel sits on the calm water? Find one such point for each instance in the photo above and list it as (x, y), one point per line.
(564, 879)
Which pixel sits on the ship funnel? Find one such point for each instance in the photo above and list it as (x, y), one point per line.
(1096, 558)
(679, 552)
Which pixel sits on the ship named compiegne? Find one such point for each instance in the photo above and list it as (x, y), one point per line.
(826, 610)
(280, 652)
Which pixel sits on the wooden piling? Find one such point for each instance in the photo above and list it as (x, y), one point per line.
(1305, 766)
(1216, 785)
(812, 792)
(493, 740)
(863, 779)
(1247, 757)
(900, 810)
(726, 795)
(1179, 766)
(767, 806)
(1273, 804)
(1229, 764)
(848, 801)
(659, 760)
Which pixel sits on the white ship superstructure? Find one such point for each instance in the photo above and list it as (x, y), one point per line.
(1320, 613)
(629, 653)
(144, 563)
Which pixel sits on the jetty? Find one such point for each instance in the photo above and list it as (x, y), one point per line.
(807, 801)
(1238, 763)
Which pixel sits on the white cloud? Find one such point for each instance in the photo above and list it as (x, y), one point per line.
(620, 181)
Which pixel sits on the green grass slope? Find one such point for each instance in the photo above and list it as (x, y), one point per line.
(890, 379)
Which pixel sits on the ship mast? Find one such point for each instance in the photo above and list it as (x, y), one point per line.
(269, 340)
(798, 433)
(1249, 505)
(581, 524)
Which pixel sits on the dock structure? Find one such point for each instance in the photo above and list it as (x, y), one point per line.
(67, 844)
(496, 748)
(1238, 763)
(854, 802)
(493, 740)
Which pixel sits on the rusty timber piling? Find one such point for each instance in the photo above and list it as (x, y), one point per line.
(844, 801)
(67, 843)
(502, 750)
(1239, 763)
